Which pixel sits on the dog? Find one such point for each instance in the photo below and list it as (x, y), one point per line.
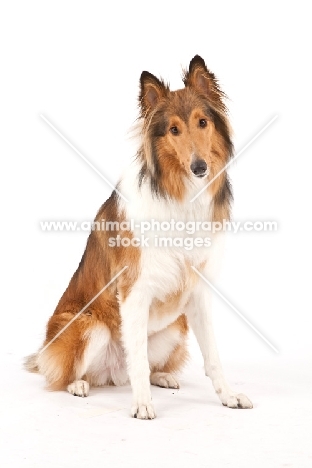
(126, 311)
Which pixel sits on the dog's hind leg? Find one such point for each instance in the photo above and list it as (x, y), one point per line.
(167, 354)
(89, 367)
(164, 380)
(66, 360)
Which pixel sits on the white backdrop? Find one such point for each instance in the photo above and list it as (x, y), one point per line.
(79, 63)
(79, 66)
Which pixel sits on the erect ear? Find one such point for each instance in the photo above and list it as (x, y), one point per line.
(152, 91)
(203, 81)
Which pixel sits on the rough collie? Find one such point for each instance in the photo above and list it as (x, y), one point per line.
(134, 328)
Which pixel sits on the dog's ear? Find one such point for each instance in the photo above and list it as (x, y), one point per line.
(151, 92)
(203, 81)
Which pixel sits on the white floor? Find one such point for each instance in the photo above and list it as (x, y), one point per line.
(192, 429)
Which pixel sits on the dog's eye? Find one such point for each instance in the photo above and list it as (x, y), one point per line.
(202, 123)
(174, 130)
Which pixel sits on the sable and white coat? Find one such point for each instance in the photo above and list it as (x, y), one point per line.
(136, 329)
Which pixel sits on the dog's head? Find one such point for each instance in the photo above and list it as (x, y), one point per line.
(185, 132)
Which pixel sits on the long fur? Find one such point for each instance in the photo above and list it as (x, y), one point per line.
(136, 329)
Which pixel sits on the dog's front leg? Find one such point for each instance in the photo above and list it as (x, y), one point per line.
(134, 314)
(199, 316)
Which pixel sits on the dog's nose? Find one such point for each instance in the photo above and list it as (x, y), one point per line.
(199, 167)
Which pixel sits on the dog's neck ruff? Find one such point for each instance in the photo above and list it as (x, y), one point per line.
(145, 204)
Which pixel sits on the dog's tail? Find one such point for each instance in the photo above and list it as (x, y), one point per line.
(30, 363)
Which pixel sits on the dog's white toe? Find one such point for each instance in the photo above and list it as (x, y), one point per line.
(79, 388)
(238, 401)
(143, 412)
(163, 379)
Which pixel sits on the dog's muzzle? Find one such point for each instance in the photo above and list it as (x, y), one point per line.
(199, 168)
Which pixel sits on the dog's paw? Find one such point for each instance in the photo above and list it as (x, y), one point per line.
(238, 400)
(143, 411)
(79, 388)
(163, 379)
